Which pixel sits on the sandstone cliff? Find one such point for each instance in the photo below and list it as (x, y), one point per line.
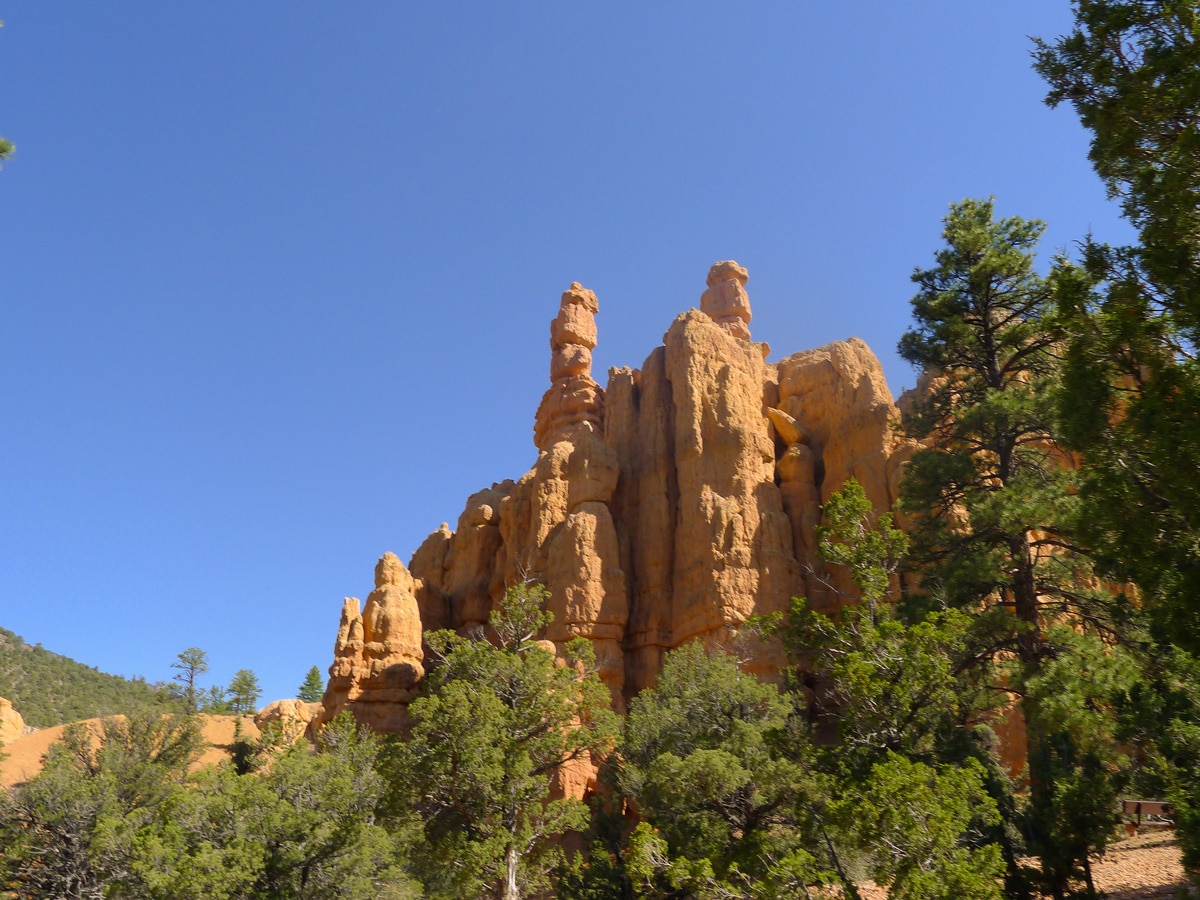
(669, 506)
(12, 725)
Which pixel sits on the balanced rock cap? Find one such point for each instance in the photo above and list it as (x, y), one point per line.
(725, 270)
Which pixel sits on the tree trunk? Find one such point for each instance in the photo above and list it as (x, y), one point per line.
(848, 884)
(511, 892)
(1087, 875)
(1025, 602)
(1029, 650)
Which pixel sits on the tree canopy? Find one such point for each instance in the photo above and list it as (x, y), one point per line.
(1130, 397)
(499, 723)
(312, 689)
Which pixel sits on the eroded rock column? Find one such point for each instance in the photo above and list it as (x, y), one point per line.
(574, 398)
(640, 427)
(583, 562)
(733, 554)
(839, 401)
(377, 656)
(572, 538)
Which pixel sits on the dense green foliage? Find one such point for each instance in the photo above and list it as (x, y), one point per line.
(886, 685)
(304, 828)
(909, 817)
(124, 819)
(1132, 313)
(912, 780)
(498, 720)
(702, 760)
(49, 689)
(71, 831)
(1130, 397)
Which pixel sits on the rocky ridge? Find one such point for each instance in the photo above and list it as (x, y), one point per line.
(669, 506)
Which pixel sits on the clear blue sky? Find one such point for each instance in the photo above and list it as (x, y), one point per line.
(275, 279)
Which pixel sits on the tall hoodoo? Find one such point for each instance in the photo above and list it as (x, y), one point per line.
(574, 398)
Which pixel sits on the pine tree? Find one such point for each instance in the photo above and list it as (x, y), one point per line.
(243, 692)
(191, 663)
(987, 488)
(215, 701)
(992, 489)
(312, 689)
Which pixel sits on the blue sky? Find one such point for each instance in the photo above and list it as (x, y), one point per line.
(276, 279)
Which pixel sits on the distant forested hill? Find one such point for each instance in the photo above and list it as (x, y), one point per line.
(49, 689)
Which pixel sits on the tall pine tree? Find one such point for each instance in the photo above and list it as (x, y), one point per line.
(1131, 399)
(991, 490)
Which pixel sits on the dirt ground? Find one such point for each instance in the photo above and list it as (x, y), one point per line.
(1145, 867)
(24, 755)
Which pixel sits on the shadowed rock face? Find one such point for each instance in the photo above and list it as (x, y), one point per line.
(669, 507)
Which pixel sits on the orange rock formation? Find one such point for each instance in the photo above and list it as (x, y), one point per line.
(291, 717)
(670, 506)
(377, 656)
(12, 725)
(574, 399)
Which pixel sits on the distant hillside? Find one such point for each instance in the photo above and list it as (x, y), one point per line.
(49, 689)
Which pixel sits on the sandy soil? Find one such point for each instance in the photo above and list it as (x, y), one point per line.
(24, 759)
(1145, 867)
